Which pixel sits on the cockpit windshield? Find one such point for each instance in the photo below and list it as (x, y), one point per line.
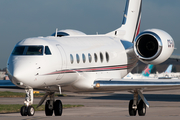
(35, 50)
(18, 50)
(28, 50)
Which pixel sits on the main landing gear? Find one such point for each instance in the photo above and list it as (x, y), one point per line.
(50, 106)
(135, 105)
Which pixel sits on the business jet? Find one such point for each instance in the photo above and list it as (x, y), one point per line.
(73, 61)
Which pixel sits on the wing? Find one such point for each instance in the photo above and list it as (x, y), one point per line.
(135, 84)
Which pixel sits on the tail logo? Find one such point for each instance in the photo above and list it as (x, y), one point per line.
(147, 70)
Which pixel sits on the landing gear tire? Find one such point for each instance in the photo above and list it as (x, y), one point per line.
(141, 108)
(48, 111)
(58, 108)
(27, 111)
(30, 111)
(23, 111)
(132, 112)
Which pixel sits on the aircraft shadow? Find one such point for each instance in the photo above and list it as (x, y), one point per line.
(149, 97)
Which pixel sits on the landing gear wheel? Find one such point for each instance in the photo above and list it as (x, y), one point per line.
(58, 108)
(30, 111)
(23, 111)
(48, 111)
(141, 108)
(132, 112)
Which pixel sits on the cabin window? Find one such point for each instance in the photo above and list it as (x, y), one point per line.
(47, 50)
(107, 57)
(95, 57)
(89, 57)
(71, 58)
(77, 58)
(84, 58)
(101, 57)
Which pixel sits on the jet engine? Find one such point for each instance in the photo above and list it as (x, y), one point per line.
(68, 32)
(153, 46)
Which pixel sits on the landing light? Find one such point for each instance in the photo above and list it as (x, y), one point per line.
(20, 83)
(97, 85)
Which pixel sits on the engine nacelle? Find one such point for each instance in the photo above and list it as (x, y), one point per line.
(68, 32)
(153, 46)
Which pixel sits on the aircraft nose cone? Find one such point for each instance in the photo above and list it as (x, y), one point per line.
(20, 72)
(16, 73)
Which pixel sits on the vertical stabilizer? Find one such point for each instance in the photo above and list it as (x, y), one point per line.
(147, 71)
(169, 69)
(131, 21)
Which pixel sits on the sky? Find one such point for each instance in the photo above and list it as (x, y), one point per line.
(20, 19)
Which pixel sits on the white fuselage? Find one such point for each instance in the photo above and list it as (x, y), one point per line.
(74, 61)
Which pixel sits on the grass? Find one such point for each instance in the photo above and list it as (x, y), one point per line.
(11, 94)
(14, 108)
(16, 94)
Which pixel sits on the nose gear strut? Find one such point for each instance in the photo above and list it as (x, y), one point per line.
(27, 109)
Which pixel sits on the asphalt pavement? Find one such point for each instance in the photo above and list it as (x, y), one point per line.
(164, 105)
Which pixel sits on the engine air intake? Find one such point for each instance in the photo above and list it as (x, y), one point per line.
(153, 46)
(147, 46)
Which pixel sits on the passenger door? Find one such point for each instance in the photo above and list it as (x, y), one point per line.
(62, 60)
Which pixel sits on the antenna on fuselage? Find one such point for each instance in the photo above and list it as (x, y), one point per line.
(56, 32)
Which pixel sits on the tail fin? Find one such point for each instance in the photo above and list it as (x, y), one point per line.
(129, 76)
(169, 69)
(146, 72)
(131, 21)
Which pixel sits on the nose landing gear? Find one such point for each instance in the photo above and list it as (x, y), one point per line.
(50, 106)
(27, 109)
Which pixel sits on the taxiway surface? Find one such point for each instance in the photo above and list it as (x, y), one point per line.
(164, 105)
